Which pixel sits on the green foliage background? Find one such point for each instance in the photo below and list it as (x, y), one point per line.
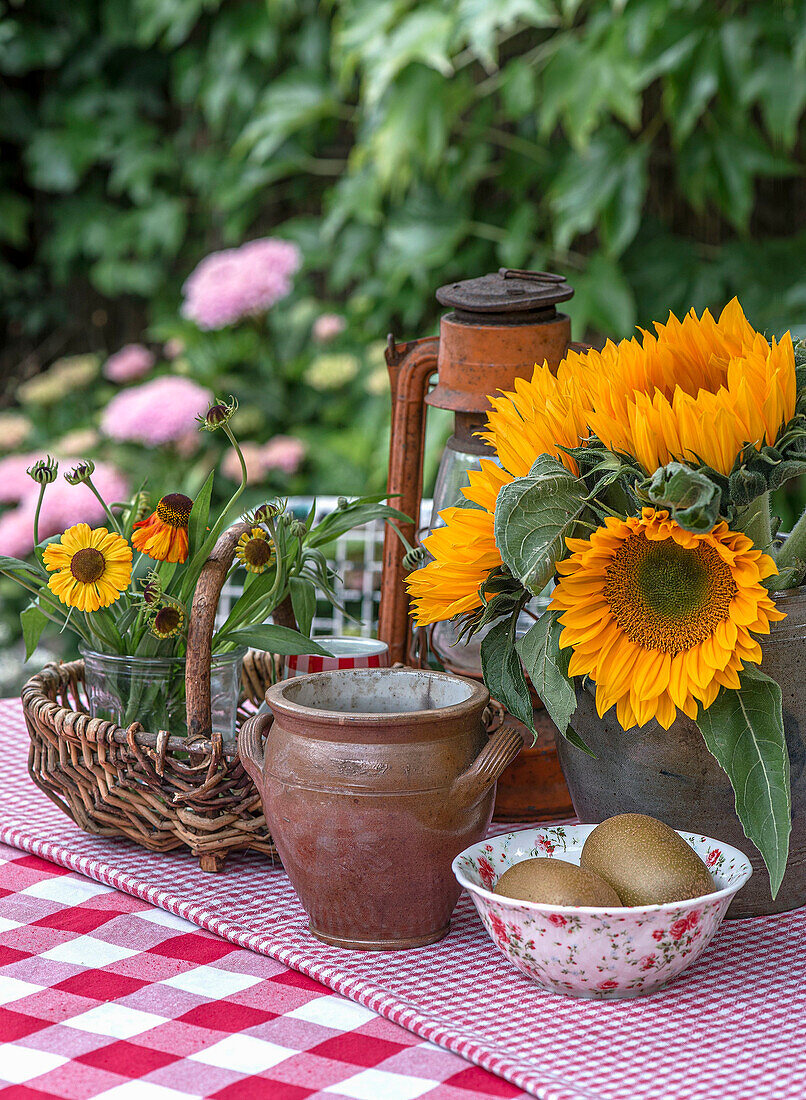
(649, 149)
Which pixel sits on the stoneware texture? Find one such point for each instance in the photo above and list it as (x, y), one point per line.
(372, 780)
(669, 774)
(599, 953)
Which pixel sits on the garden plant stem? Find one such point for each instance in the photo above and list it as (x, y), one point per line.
(794, 548)
(754, 521)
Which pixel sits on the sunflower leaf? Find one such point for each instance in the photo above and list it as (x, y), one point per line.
(744, 730)
(533, 515)
(690, 496)
(547, 666)
(503, 673)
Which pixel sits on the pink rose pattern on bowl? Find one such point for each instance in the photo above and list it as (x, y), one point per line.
(603, 954)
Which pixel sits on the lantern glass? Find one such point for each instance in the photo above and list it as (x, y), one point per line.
(461, 455)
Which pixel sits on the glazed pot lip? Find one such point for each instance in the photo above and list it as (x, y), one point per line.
(789, 594)
(280, 705)
(598, 910)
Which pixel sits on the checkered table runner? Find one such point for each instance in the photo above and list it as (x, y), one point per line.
(730, 1029)
(104, 996)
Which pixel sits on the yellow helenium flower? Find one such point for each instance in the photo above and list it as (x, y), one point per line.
(90, 568)
(255, 550)
(660, 617)
(522, 425)
(698, 391)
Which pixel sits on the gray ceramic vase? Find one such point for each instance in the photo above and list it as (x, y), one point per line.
(670, 774)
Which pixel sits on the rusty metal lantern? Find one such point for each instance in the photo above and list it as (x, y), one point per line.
(498, 327)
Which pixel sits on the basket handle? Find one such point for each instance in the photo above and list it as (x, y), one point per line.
(200, 630)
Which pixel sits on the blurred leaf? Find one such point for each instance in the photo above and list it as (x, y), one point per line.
(483, 23)
(287, 106)
(605, 185)
(422, 35)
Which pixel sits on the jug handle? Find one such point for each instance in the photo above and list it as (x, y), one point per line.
(250, 744)
(500, 750)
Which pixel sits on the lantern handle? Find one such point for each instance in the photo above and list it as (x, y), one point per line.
(411, 367)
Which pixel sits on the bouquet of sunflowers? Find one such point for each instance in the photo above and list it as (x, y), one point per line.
(126, 589)
(638, 479)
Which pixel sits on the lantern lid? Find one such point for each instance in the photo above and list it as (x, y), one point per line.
(505, 292)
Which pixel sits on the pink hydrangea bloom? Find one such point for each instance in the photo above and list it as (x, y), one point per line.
(173, 347)
(327, 326)
(157, 412)
(227, 286)
(16, 535)
(62, 506)
(284, 452)
(15, 484)
(130, 363)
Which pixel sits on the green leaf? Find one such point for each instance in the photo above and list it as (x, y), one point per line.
(422, 35)
(303, 600)
(199, 515)
(744, 730)
(274, 639)
(503, 673)
(345, 519)
(290, 104)
(33, 622)
(20, 570)
(547, 666)
(533, 515)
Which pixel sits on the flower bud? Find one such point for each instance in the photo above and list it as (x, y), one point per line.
(152, 589)
(218, 415)
(80, 473)
(267, 511)
(45, 471)
(414, 558)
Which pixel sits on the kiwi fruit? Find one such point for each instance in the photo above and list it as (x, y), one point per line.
(555, 882)
(645, 861)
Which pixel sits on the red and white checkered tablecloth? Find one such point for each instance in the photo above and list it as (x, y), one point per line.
(731, 1028)
(104, 996)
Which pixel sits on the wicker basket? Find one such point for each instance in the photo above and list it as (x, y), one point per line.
(160, 790)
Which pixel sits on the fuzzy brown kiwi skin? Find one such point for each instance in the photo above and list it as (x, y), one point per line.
(555, 882)
(645, 861)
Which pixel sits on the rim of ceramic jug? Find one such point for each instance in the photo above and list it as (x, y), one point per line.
(276, 698)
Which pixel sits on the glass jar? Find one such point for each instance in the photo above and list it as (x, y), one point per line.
(151, 691)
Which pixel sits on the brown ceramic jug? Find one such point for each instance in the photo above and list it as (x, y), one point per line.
(372, 780)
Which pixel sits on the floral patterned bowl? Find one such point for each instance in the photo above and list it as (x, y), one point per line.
(587, 951)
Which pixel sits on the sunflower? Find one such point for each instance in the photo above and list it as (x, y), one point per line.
(255, 550)
(698, 391)
(660, 617)
(539, 417)
(533, 420)
(90, 568)
(164, 534)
